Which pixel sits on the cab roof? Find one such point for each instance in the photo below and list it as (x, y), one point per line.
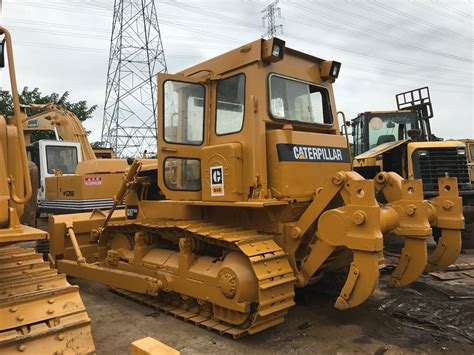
(239, 57)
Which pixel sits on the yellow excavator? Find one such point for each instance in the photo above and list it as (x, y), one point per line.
(70, 176)
(254, 197)
(40, 312)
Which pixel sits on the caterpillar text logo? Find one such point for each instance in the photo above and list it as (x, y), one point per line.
(296, 152)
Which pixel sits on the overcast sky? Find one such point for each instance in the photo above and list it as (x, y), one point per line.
(385, 46)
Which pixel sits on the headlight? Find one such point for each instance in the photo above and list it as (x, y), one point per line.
(461, 151)
(335, 69)
(276, 51)
(329, 69)
(273, 50)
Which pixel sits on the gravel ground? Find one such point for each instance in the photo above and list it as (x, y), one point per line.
(430, 316)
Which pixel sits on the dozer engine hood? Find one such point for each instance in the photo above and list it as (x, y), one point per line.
(300, 162)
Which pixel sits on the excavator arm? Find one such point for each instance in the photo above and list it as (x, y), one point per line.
(65, 124)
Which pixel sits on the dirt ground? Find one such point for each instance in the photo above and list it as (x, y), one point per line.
(430, 316)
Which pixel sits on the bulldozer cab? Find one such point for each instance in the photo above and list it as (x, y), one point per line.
(239, 126)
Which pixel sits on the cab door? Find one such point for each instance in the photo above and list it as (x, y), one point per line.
(56, 155)
(182, 125)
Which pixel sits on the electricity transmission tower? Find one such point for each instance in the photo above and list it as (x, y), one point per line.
(270, 14)
(136, 56)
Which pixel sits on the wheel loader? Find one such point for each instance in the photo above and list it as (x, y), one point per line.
(40, 312)
(402, 141)
(254, 198)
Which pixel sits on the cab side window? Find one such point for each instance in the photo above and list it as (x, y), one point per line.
(183, 113)
(230, 104)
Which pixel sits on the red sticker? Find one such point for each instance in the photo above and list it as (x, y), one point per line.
(93, 180)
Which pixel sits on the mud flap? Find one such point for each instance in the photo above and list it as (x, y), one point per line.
(361, 280)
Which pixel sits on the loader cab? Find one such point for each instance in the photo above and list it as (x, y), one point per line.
(411, 121)
(371, 129)
(52, 158)
(255, 123)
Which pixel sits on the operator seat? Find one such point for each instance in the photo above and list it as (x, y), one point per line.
(385, 139)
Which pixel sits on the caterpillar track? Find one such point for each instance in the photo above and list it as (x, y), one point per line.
(268, 261)
(40, 312)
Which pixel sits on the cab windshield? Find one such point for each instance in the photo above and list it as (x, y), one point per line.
(61, 158)
(295, 100)
(384, 128)
(372, 129)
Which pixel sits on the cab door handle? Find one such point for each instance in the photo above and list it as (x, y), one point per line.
(168, 149)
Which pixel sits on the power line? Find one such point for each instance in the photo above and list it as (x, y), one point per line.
(461, 16)
(386, 25)
(61, 8)
(328, 44)
(405, 16)
(362, 32)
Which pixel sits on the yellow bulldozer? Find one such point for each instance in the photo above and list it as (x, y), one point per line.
(40, 312)
(254, 197)
(402, 141)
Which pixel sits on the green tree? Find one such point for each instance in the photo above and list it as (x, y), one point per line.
(28, 97)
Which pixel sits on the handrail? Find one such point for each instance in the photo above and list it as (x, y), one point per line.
(18, 115)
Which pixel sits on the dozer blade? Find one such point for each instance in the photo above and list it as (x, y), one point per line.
(361, 280)
(413, 260)
(447, 250)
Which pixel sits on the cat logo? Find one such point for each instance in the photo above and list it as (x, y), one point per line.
(132, 211)
(217, 181)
